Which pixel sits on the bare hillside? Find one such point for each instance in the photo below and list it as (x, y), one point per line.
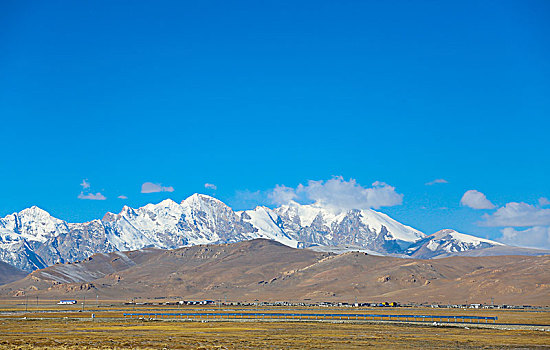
(266, 270)
(9, 273)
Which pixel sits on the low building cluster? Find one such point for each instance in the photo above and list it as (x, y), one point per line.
(328, 304)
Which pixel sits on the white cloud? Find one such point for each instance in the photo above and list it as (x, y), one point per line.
(282, 195)
(339, 193)
(97, 197)
(122, 197)
(149, 187)
(85, 184)
(518, 215)
(476, 200)
(437, 181)
(534, 237)
(210, 186)
(514, 214)
(86, 194)
(543, 201)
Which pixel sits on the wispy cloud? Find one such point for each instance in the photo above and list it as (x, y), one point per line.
(149, 187)
(96, 197)
(282, 194)
(543, 201)
(210, 186)
(85, 184)
(437, 181)
(122, 197)
(476, 200)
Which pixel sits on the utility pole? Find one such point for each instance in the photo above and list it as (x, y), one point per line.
(26, 302)
(37, 300)
(97, 301)
(83, 302)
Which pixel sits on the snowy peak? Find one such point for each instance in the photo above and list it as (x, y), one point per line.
(203, 202)
(306, 214)
(165, 204)
(448, 242)
(33, 224)
(450, 234)
(34, 211)
(34, 214)
(33, 238)
(127, 211)
(365, 224)
(267, 224)
(400, 232)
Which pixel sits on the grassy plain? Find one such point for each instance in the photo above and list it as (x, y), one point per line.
(66, 328)
(78, 334)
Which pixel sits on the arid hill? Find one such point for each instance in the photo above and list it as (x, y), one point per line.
(266, 270)
(9, 273)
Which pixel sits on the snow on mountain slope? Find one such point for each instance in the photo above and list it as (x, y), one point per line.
(21, 255)
(146, 226)
(22, 233)
(209, 220)
(317, 225)
(448, 242)
(32, 224)
(268, 225)
(33, 239)
(400, 232)
(199, 219)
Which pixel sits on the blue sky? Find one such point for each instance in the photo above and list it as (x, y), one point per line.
(257, 94)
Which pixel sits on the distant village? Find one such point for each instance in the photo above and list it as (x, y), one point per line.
(331, 304)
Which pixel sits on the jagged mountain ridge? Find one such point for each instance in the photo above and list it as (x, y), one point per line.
(33, 239)
(448, 242)
(317, 225)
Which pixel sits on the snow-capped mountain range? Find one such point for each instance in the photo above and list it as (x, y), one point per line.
(32, 238)
(447, 243)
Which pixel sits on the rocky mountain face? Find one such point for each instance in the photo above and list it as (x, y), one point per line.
(33, 239)
(312, 225)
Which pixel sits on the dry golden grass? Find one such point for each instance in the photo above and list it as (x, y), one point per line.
(66, 328)
(79, 334)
